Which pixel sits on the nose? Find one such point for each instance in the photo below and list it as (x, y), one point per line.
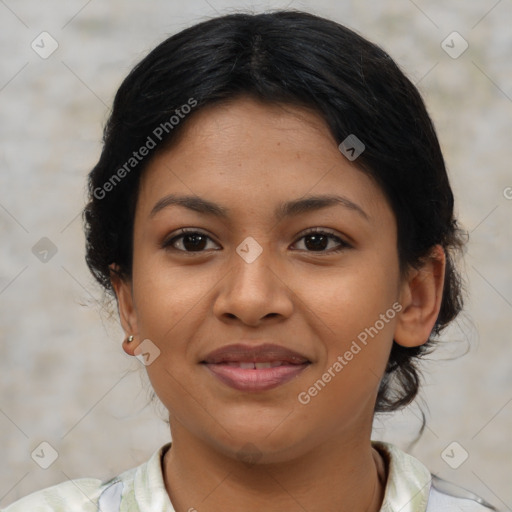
(254, 291)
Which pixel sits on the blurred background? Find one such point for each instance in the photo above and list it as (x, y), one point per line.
(64, 379)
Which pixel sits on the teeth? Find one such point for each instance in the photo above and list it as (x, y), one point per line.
(255, 366)
(273, 364)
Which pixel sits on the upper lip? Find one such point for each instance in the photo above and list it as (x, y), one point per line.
(266, 352)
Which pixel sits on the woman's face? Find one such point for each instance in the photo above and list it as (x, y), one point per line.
(253, 275)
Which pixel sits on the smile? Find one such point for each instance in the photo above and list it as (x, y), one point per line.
(260, 376)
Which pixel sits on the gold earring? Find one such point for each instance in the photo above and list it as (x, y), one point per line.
(130, 339)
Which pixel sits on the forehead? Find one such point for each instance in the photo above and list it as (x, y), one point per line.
(235, 126)
(253, 153)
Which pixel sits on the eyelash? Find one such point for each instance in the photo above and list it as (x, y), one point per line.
(312, 231)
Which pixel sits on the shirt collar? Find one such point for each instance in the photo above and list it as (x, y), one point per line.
(407, 487)
(149, 486)
(408, 483)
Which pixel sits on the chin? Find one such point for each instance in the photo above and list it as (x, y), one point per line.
(259, 443)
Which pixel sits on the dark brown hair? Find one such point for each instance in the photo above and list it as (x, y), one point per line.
(286, 57)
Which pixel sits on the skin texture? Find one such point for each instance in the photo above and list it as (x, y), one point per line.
(248, 157)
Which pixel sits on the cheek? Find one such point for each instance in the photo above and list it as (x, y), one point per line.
(353, 310)
(170, 303)
(357, 346)
(349, 300)
(167, 297)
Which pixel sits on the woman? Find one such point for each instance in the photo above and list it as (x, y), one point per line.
(272, 213)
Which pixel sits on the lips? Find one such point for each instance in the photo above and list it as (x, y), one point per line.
(255, 368)
(266, 353)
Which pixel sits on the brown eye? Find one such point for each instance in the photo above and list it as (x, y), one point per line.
(187, 241)
(316, 240)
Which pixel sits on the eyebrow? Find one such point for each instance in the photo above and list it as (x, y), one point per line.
(283, 210)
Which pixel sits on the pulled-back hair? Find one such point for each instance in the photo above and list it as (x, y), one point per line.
(294, 58)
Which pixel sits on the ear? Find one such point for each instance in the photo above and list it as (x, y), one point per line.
(126, 308)
(421, 296)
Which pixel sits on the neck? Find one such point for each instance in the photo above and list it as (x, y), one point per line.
(336, 475)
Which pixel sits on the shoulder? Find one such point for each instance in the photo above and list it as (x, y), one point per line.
(79, 494)
(119, 494)
(447, 497)
(411, 487)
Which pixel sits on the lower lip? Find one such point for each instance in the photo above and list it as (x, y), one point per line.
(247, 379)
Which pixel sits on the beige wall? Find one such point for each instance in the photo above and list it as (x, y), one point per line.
(64, 378)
